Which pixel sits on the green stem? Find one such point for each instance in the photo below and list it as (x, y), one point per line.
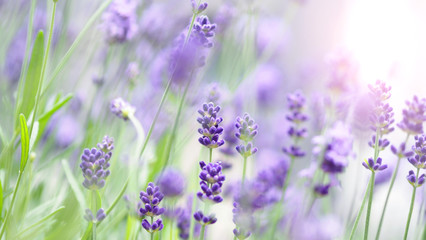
(67, 55)
(244, 172)
(281, 202)
(210, 155)
(152, 234)
(94, 210)
(370, 201)
(202, 232)
(166, 91)
(413, 196)
(358, 217)
(395, 172)
(43, 68)
(11, 204)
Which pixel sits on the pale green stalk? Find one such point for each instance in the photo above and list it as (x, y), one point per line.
(11, 205)
(43, 68)
(202, 232)
(395, 172)
(94, 210)
(413, 197)
(370, 201)
(358, 217)
(152, 234)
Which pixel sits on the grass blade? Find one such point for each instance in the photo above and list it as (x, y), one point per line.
(32, 81)
(25, 142)
(74, 185)
(41, 221)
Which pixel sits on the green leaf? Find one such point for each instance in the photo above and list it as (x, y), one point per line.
(46, 116)
(40, 222)
(160, 152)
(74, 185)
(32, 81)
(1, 198)
(25, 142)
(123, 189)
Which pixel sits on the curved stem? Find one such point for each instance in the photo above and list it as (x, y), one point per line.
(358, 217)
(389, 192)
(11, 204)
(370, 201)
(413, 196)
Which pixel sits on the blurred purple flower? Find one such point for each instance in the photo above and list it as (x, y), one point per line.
(413, 116)
(171, 182)
(119, 21)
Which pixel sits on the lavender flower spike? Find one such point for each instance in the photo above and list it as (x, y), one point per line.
(210, 129)
(378, 166)
(211, 182)
(152, 198)
(412, 179)
(413, 116)
(119, 21)
(171, 183)
(121, 108)
(419, 148)
(95, 164)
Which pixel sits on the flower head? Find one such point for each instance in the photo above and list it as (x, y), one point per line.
(151, 198)
(419, 149)
(119, 21)
(374, 166)
(295, 104)
(156, 226)
(95, 164)
(322, 189)
(190, 52)
(382, 116)
(210, 129)
(211, 182)
(121, 108)
(414, 181)
(100, 215)
(204, 220)
(413, 116)
(171, 182)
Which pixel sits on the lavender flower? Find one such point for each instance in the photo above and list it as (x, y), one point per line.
(154, 227)
(338, 148)
(414, 181)
(95, 164)
(204, 220)
(413, 116)
(296, 103)
(197, 9)
(190, 53)
(370, 165)
(151, 198)
(419, 149)
(401, 152)
(246, 131)
(381, 119)
(322, 189)
(211, 182)
(171, 182)
(121, 108)
(210, 128)
(119, 21)
(100, 215)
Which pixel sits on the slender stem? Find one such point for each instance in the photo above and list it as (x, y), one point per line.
(203, 227)
(211, 155)
(152, 234)
(11, 204)
(244, 172)
(94, 210)
(395, 172)
(370, 201)
(358, 217)
(166, 90)
(43, 68)
(413, 196)
(281, 202)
